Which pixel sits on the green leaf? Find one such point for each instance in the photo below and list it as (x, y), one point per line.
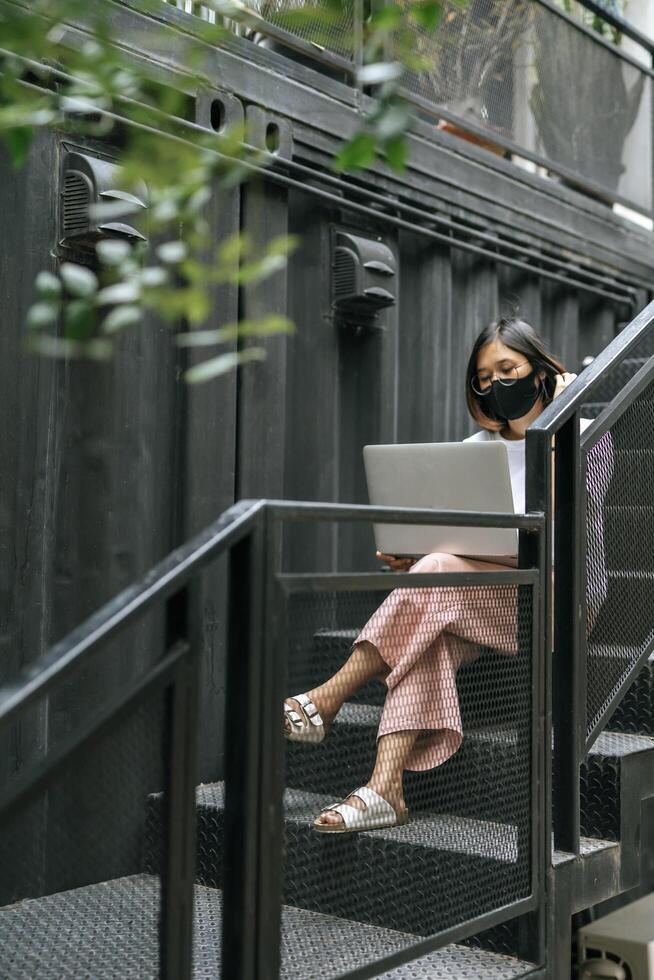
(79, 320)
(97, 349)
(264, 267)
(358, 153)
(42, 315)
(385, 17)
(113, 251)
(49, 346)
(47, 285)
(428, 14)
(108, 210)
(78, 280)
(266, 326)
(172, 252)
(393, 121)
(382, 71)
(222, 364)
(120, 318)
(153, 277)
(198, 200)
(233, 248)
(120, 292)
(18, 143)
(165, 211)
(282, 244)
(396, 151)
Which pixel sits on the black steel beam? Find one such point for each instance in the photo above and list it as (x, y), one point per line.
(568, 690)
(580, 390)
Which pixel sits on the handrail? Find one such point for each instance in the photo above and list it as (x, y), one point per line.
(159, 582)
(568, 679)
(251, 530)
(176, 569)
(577, 393)
(622, 25)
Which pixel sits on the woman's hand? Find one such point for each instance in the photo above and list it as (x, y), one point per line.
(396, 564)
(562, 382)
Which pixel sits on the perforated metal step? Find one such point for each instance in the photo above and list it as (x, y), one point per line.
(383, 877)
(481, 780)
(617, 379)
(108, 931)
(635, 713)
(605, 801)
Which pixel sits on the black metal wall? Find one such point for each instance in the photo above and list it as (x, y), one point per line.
(106, 467)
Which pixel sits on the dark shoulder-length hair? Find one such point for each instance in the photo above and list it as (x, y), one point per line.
(520, 336)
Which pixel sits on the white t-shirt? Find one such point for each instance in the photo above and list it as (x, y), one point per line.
(600, 476)
(516, 451)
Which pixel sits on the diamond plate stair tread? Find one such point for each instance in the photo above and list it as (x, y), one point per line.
(587, 846)
(90, 932)
(448, 832)
(601, 781)
(382, 877)
(619, 744)
(441, 831)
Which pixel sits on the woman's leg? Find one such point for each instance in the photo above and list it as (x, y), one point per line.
(425, 634)
(363, 664)
(392, 753)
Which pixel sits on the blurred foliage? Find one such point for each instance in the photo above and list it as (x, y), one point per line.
(616, 7)
(85, 85)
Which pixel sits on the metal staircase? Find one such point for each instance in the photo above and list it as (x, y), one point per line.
(232, 873)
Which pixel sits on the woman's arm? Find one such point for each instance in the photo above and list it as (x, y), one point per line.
(396, 564)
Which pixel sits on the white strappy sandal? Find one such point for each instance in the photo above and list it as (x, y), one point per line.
(306, 728)
(378, 813)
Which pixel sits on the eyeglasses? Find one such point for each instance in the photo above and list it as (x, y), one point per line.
(506, 377)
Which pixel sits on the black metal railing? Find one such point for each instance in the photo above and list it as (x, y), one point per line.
(523, 77)
(280, 624)
(599, 621)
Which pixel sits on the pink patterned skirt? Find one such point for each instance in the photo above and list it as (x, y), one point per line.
(424, 635)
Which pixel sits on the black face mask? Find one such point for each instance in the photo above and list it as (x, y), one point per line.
(512, 401)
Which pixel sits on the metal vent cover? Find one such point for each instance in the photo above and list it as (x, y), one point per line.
(345, 276)
(77, 195)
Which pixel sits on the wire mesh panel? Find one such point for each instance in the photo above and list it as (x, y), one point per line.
(424, 697)
(77, 896)
(527, 76)
(620, 550)
(327, 26)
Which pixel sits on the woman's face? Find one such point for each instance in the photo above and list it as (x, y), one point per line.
(496, 360)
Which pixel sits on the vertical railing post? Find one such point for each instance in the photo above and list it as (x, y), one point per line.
(536, 552)
(243, 704)
(178, 817)
(271, 800)
(357, 39)
(253, 761)
(567, 706)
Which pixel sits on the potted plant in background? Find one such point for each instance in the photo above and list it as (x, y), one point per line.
(586, 99)
(469, 64)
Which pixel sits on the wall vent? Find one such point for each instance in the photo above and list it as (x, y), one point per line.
(88, 180)
(363, 273)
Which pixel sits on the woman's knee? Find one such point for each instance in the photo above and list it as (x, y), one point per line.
(438, 561)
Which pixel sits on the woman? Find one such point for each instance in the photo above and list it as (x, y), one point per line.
(413, 640)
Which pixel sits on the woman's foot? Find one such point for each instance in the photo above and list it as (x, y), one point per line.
(362, 665)
(364, 809)
(393, 795)
(311, 717)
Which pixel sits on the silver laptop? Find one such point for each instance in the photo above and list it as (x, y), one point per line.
(442, 476)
